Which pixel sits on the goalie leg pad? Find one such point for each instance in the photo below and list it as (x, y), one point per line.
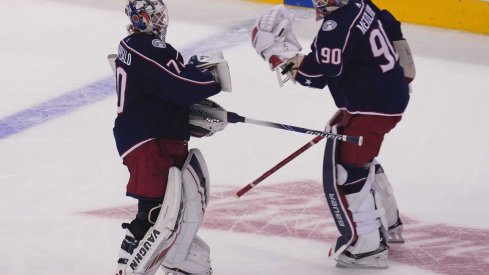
(154, 246)
(196, 192)
(367, 214)
(336, 200)
(383, 189)
(353, 206)
(198, 260)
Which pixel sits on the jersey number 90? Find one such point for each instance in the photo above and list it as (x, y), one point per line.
(380, 45)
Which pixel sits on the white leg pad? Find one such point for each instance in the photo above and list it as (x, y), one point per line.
(385, 197)
(367, 214)
(160, 237)
(383, 187)
(196, 193)
(198, 260)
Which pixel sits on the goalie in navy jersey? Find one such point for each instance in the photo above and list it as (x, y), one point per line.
(155, 89)
(360, 54)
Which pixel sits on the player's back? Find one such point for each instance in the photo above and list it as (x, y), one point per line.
(367, 75)
(142, 82)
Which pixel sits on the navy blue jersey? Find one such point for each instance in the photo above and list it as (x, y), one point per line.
(154, 90)
(353, 54)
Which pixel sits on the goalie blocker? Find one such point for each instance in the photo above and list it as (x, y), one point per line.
(217, 65)
(172, 242)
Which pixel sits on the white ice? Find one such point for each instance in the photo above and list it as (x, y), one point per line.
(52, 173)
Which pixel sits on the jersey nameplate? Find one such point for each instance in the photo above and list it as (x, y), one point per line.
(124, 56)
(366, 20)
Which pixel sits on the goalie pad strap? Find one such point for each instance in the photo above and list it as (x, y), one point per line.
(366, 216)
(160, 237)
(196, 192)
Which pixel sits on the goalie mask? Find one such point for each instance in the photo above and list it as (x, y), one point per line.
(324, 7)
(150, 16)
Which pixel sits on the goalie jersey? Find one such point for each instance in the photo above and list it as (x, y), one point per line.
(353, 54)
(154, 90)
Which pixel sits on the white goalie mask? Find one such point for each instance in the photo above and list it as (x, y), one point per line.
(324, 7)
(150, 16)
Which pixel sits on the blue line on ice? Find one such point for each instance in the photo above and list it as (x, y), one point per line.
(102, 89)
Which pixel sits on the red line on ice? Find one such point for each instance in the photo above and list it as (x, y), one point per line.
(299, 209)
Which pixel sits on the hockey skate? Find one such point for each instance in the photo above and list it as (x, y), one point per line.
(376, 259)
(127, 247)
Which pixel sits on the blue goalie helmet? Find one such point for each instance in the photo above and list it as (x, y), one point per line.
(150, 16)
(323, 7)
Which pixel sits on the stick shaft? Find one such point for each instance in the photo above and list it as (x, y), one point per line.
(272, 170)
(352, 139)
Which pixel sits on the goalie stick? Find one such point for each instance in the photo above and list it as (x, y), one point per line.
(235, 118)
(279, 165)
(207, 112)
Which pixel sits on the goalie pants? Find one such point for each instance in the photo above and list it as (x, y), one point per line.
(372, 128)
(149, 164)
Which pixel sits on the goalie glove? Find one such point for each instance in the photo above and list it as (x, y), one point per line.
(206, 118)
(217, 65)
(273, 37)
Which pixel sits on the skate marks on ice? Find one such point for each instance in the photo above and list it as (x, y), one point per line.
(299, 210)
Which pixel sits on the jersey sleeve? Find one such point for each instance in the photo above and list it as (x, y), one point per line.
(178, 83)
(326, 59)
(310, 73)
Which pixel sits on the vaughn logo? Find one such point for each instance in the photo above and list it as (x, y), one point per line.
(144, 248)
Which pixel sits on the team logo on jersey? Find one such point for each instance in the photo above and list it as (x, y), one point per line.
(158, 43)
(329, 25)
